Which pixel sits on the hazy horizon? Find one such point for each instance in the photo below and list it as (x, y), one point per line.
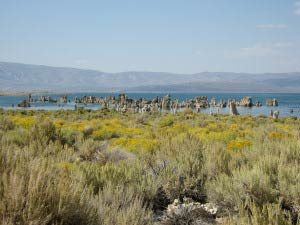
(149, 71)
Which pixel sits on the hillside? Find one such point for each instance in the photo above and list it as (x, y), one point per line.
(224, 87)
(24, 77)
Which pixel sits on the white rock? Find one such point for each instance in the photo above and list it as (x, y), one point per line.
(176, 207)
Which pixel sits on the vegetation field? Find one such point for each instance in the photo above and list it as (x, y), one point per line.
(104, 167)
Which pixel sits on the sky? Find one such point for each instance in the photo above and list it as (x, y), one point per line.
(180, 36)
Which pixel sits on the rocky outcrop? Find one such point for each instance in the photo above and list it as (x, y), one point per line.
(122, 98)
(258, 104)
(42, 99)
(222, 104)
(246, 102)
(122, 103)
(30, 99)
(272, 102)
(213, 102)
(24, 104)
(275, 114)
(166, 102)
(155, 100)
(190, 212)
(201, 102)
(232, 108)
(271, 113)
(63, 99)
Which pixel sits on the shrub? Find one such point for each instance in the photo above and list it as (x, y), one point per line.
(257, 215)
(166, 121)
(91, 150)
(239, 144)
(38, 196)
(6, 124)
(136, 144)
(23, 121)
(44, 131)
(54, 169)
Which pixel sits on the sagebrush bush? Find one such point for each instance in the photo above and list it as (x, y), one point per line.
(6, 124)
(104, 167)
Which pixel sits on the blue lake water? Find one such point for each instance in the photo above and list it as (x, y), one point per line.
(286, 101)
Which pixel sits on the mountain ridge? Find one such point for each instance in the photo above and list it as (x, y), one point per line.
(29, 77)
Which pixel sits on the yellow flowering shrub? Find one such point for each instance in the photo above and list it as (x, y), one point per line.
(238, 144)
(136, 144)
(105, 133)
(284, 127)
(58, 123)
(247, 132)
(234, 126)
(224, 136)
(215, 127)
(279, 135)
(132, 131)
(107, 129)
(23, 121)
(78, 126)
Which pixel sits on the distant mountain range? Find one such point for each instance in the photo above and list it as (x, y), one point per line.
(23, 77)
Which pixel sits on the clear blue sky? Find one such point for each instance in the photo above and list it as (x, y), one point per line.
(183, 36)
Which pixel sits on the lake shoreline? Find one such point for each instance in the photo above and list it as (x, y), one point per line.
(16, 93)
(289, 104)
